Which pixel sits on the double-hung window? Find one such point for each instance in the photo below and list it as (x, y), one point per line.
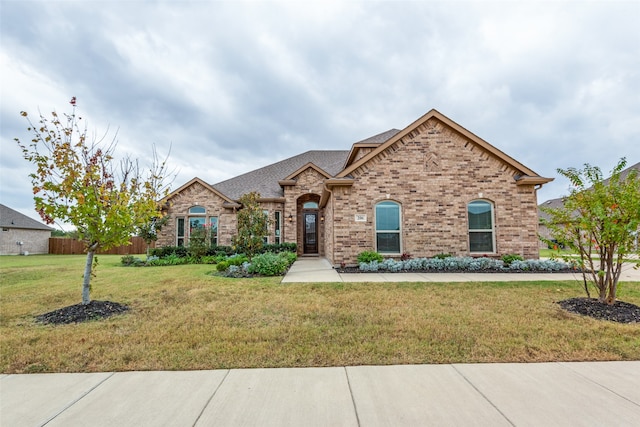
(388, 239)
(481, 227)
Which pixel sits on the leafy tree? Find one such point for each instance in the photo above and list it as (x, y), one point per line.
(149, 230)
(253, 225)
(600, 220)
(78, 181)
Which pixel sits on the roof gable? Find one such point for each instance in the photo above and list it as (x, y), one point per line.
(201, 182)
(527, 176)
(297, 172)
(10, 218)
(371, 142)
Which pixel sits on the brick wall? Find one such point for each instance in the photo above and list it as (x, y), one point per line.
(199, 195)
(434, 173)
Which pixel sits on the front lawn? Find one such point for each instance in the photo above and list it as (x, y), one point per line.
(182, 318)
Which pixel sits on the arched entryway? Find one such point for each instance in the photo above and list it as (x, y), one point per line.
(310, 229)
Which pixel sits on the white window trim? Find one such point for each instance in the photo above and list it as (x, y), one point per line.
(493, 228)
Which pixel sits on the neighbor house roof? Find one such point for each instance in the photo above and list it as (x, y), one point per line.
(559, 202)
(10, 218)
(265, 180)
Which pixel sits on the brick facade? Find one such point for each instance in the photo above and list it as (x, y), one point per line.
(433, 169)
(197, 194)
(433, 174)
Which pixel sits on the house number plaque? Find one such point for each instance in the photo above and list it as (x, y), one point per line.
(361, 218)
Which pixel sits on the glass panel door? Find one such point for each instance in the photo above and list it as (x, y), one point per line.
(310, 233)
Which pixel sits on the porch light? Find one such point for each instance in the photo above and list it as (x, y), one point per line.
(290, 218)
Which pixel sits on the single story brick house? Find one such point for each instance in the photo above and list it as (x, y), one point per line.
(22, 235)
(433, 187)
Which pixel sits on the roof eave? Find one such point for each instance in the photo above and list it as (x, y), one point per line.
(533, 180)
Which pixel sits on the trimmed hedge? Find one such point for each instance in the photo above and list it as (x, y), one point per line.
(464, 264)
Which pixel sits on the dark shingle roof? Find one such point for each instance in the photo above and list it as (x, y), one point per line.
(10, 218)
(265, 180)
(380, 138)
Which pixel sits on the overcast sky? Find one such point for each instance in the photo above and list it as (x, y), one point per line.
(233, 86)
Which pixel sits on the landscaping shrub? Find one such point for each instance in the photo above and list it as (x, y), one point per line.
(450, 263)
(442, 256)
(277, 248)
(369, 256)
(269, 264)
(171, 259)
(237, 259)
(222, 266)
(162, 252)
(509, 258)
(131, 261)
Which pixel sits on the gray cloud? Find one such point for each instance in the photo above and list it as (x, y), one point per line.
(232, 86)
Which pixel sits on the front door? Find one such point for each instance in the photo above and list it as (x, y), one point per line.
(310, 232)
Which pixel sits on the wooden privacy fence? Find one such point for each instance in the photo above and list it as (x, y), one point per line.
(66, 246)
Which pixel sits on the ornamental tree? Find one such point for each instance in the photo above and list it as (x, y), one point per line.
(78, 181)
(600, 220)
(149, 230)
(253, 225)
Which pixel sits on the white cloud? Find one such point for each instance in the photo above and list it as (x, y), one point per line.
(232, 86)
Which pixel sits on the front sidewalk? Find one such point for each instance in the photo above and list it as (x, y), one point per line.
(501, 394)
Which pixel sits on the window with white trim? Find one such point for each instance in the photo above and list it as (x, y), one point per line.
(265, 239)
(388, 238)
(180, 231)
(213, 230)
(278, 227)
(481, 226)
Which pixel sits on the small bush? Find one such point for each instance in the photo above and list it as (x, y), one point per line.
(222, 266)
(509, 258)
(131, 261)
(369, 256)
(277, 248)
(442, 256)
(237, 259)
(167, 260)
(180, 251)
(268, 264)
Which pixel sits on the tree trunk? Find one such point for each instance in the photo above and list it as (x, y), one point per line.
(86, 282)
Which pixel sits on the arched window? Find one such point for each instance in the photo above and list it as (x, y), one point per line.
(197, 210)
(388, 239)
(310, 205)
(481, 226)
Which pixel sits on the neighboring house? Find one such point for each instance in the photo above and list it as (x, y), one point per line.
(22, 235)
(559, 203)
(431, 188)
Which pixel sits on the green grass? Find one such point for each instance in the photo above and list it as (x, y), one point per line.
(181, 318)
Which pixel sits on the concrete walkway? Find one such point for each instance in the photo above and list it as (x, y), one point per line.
(320, 270)
(536, 394)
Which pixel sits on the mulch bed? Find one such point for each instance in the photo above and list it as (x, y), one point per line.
(95, 310)
(619, 311)
(357, 270)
